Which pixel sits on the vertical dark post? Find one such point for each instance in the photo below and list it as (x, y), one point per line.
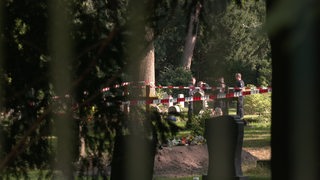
(226, 110)
(128, 167)
(197, 103)
(134, 151)
(147, 98)
(126, 106)
(2, 89)
(224, 135)
(190, 112)
(61, 53)
(295, 43)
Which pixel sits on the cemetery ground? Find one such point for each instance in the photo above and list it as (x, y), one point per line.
(184, 162)
(256, 155)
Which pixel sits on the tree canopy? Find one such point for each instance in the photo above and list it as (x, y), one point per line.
(228, 41)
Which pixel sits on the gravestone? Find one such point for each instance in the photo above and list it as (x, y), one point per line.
(197, 104)
(176, 110)
(224, 135)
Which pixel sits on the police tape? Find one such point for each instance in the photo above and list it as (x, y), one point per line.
(142, 85)
(196, 87)
(138, 84)
(199, 98)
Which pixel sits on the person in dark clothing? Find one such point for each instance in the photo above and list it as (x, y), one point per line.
(191, 93)
(239, 87)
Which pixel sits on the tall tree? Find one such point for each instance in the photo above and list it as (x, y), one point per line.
(191, 37)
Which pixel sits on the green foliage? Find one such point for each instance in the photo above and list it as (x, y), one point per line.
(234, 41)
(250, 45)
(33, 151)
(175, 77)
(258, 104)
(196, 125)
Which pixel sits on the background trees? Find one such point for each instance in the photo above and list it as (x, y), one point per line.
(229, 40)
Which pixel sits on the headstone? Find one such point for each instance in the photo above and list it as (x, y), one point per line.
(197, 104)
(166, 96)
(224, 135)
(174, 110)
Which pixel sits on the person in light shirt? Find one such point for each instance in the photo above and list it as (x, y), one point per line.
(220, 89)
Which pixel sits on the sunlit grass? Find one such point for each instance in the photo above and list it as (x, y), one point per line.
(258, 173)
(257, 135)
(181, 178)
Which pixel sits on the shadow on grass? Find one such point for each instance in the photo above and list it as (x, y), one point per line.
(258, 173)
(258, 143)
(257, 137)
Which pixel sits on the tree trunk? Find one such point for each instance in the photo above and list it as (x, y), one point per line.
(140, 49)
(147, 68)
(191, 37)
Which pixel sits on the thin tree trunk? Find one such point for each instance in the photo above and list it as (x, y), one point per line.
(191, 37)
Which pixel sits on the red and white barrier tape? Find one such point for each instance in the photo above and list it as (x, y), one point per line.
(139, 85)
(143, 84)
(199, 98)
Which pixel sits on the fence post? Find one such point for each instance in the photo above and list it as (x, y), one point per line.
(182, 102)
(126, 106)
(227, 100)
(147, 98)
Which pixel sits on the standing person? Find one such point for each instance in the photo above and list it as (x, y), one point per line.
(203, 86)
(239, 86)
(220, 88)
(191, 92)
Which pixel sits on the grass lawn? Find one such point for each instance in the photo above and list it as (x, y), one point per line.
(257, 138)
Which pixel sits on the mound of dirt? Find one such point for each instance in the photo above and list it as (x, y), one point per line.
(179, 161)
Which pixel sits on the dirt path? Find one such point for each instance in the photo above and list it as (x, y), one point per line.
(179, 161)
(260, 153)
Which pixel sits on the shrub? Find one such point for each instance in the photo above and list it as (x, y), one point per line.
(197, 123)
(258, 104)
